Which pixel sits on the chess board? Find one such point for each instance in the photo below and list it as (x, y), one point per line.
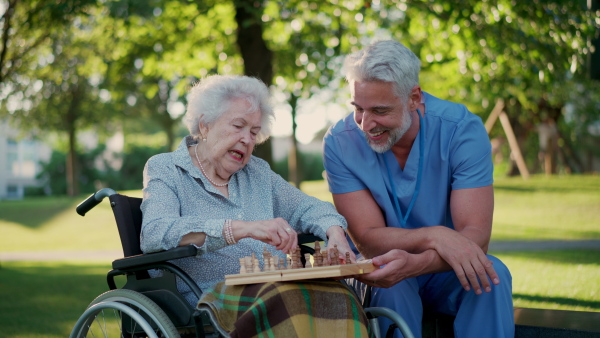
(301, 273)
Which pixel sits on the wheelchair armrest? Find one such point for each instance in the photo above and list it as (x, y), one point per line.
(155, 257)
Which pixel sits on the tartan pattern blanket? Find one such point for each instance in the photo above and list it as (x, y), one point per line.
(317, 308)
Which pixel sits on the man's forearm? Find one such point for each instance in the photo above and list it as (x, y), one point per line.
(377, 241)
(421, 241)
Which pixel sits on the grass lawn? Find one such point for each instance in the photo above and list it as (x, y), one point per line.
(45, 298)
(48, 224)
(549, 208)
(565, 280)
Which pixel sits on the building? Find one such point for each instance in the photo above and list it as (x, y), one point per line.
(19, 162)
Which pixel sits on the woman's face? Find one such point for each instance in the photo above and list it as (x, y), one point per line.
(231, 139)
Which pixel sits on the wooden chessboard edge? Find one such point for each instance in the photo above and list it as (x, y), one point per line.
(331, 271)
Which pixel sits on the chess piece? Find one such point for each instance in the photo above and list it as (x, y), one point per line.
(335, 256)
(289, 263)
(266, 254)
(317, 246)
(281, 264)
(325, 255)
(256, 264)
(292, 264)
(249, 263)
(318, 259)
(307, 259)
(272, 265)
(298, 258)
(242, 266)
(347, 258)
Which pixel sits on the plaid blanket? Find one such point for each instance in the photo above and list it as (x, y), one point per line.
(318, 308)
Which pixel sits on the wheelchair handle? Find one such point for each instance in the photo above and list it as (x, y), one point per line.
(92, 201)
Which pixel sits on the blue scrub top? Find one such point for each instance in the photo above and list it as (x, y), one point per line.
(457, 155)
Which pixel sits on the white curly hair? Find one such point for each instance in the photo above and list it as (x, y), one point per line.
(211, 97)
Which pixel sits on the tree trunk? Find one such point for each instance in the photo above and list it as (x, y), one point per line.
(70, 121)
(258, 58)
(72, 183)
(294, 167)
(9, 11)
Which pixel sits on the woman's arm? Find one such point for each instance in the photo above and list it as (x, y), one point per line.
(163, 226)
(307, 214)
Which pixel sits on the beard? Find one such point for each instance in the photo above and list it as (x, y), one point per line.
(394, 135)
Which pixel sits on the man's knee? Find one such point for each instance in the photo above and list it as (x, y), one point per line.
(500, 268)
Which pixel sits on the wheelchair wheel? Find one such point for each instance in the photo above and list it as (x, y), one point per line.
(123, 313)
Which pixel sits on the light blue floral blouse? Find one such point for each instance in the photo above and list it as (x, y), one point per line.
(178, 200)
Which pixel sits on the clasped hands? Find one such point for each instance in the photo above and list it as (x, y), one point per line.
(471, 265)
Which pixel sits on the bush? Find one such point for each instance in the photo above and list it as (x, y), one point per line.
(311, 167)
(91, 178)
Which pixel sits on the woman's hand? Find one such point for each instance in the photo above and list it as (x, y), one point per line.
(276, 232)
(337, 237)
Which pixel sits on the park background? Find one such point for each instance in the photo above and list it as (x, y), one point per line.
(91, 89)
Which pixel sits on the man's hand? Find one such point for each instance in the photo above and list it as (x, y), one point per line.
(467, 259)
(395, 266)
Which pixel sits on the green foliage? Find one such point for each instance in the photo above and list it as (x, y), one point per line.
(54, 172)
(73, 65)
(92, 178)
(129, 176)
(311, 166)
(28, 27)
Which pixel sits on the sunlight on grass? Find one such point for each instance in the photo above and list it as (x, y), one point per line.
(542, 207)
(547, 208)
(43, 224)
(317, 189)
(538, 208)
(566, 280)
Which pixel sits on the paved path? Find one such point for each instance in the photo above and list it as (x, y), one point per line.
(40, 256)
(499, 246)
(110, 255)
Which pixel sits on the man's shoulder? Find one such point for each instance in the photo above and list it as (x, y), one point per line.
(344, 126)
(447, 110)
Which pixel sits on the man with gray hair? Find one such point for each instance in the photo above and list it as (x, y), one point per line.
(412, 174)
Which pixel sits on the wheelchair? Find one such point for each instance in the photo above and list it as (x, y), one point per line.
(148, 306)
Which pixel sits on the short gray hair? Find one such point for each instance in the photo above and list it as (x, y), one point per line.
(212, 96)
(388, 61)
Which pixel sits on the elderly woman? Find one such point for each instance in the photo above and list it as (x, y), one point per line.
(212, 193)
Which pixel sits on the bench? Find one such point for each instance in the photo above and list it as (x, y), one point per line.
(529, 323)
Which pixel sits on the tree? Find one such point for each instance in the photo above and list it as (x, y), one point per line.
(477, 51)
(27, 29)
(258, 58)
(51, 86)
(309, 40)
(165, 47)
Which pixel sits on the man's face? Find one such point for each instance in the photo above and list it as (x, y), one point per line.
(379, 113)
